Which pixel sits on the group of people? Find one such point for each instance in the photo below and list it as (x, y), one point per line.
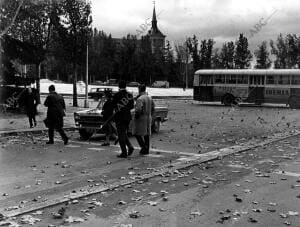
(116, 109)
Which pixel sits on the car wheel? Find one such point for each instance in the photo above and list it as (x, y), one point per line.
(156, 126)
(85, 135)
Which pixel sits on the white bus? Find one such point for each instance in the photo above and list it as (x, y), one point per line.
(231, 86)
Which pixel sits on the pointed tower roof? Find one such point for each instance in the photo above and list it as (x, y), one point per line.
(154, 31)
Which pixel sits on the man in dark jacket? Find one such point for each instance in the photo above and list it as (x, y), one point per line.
(30, 104)
(56, 112)
(123, 103)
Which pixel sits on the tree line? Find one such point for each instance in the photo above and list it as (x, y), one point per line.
(54, 36)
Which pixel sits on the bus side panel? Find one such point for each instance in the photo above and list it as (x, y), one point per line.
(256, 94)
(295, 91)
(203, 93)
(277, 95)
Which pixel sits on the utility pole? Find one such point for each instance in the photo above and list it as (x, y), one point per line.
(86, 101)
(186, 65)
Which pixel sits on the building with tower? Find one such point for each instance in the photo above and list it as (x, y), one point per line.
(157, 38)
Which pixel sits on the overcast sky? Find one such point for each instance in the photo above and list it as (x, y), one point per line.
(221, 20)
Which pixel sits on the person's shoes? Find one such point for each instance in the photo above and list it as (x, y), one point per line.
(66, 141)
(105, 144)
(50, 142)
(31, 126)
(144, 152)
(122, 156)
(130, 151)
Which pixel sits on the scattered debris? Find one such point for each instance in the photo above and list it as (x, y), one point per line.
(28, 219)
(134, 214)
(121, 202)
(252, 220)
(152, 203)
(196, 213)
(71, 219)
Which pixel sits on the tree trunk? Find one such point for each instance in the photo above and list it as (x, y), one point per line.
(38, 87)
(75, 103)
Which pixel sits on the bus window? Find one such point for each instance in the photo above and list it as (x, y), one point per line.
(230, 79)
(242, 79)
(270, 80)
(205, 79)
(283, 79)
(257, 80)
(295, 80)
(201, 79)
(219, 79)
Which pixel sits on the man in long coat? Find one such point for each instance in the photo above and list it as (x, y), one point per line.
(55, 113)
(144, 110)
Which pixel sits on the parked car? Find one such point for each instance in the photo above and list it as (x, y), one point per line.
(98, 82)
(133, 84)
(97, 93)
(160, 83)
(58, 81)
(89, 122)
(81, 83)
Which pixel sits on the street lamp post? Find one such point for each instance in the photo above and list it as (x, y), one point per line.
(86, 101)
(186, 65)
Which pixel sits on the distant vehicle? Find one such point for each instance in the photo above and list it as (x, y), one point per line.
(160, 83)
(133, 84)
(98, 93)
(46, 81)
(232, 86)
(81, 83)
(58, 81)
(89, 122)
(111, 82)
(98, 82)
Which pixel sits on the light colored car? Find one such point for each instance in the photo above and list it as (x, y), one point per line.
(133, 84)
(81, 83)
(161, 83)
(89, 122)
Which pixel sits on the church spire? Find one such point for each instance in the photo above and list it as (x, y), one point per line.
(154, 21)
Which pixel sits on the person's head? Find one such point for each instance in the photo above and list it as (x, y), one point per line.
(108, 94)
(142, 88)
(51, 88)
(29, 90)
(122, 84)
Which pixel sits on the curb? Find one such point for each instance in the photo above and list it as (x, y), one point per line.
(33, 131)
(202, 158)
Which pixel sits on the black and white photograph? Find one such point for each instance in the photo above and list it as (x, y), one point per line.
(142, 113)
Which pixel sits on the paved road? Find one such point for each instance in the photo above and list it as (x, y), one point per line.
(32, 173)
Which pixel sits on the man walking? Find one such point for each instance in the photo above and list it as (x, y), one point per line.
(144, 110)
(123, 103)
(55, 113)
(30, 104)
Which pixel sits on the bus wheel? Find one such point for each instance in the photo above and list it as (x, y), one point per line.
(228, 99)
(294, 102)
